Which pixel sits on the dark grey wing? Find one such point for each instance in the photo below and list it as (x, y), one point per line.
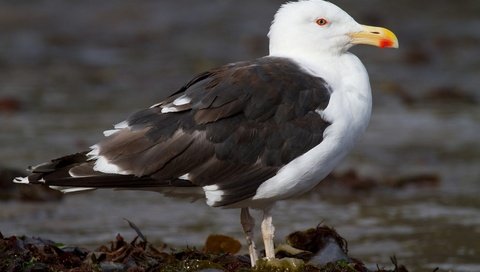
(75, 173)
(230, 129)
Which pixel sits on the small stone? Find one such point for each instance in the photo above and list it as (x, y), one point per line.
(9, 105)
(217, 244)
(315, 239)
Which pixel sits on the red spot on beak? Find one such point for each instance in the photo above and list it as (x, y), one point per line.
(386, 43)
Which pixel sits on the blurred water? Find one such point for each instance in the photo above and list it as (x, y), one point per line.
(78, 67)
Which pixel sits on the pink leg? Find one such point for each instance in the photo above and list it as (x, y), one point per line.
(248, 224)
(268, 231)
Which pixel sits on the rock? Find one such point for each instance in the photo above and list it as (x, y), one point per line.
(450, 94)
(9, 105)
(324, 242)
(217, 244)
(420, 180)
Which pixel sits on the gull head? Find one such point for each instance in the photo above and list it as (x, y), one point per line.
(320, 27)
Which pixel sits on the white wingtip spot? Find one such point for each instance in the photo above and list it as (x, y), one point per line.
(68, 190)
(121, 125)
(185, 177)
(117, 128)
(93, 154)
(110, 132)
(213, 187)
(169, 109)
(182, 100)
(156, 105)
(21, 180)
(103, 165)
(213, 194)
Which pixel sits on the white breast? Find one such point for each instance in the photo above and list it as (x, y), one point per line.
(348, 112)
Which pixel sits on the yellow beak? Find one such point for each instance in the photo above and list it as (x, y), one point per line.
(376, 36)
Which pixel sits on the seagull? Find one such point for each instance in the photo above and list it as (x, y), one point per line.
(247, 134)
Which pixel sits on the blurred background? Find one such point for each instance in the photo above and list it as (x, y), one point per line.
(71, 69)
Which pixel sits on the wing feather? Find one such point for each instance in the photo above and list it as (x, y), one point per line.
(230, 128)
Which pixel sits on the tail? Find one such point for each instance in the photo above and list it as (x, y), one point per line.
(75, 173)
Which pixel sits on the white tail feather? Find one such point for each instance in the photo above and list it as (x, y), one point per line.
(68, 190)
(21, 180)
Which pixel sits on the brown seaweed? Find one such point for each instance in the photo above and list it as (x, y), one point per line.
(319, 249)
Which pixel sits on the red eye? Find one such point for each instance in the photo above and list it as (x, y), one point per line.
(321, 22)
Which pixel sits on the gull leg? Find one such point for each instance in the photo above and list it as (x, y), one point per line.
(248, 224)
(268, 233)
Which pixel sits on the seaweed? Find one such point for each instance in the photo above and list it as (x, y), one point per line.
(319, 249)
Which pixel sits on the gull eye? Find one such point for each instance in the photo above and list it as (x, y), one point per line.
(321, 22)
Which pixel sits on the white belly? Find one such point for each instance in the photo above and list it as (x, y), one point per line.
(349, 113)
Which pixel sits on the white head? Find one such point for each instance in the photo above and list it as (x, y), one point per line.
(317, 26)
